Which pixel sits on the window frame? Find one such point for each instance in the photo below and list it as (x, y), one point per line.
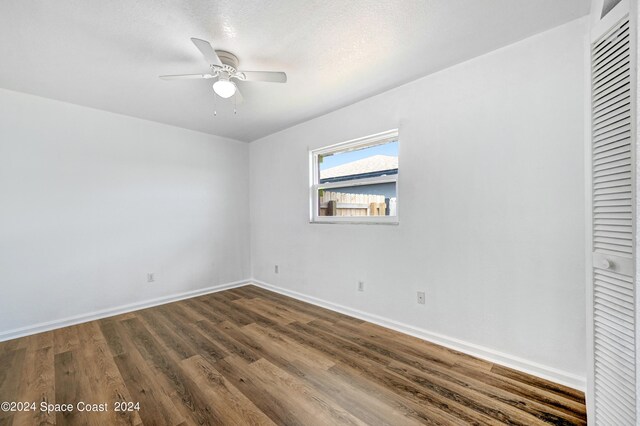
(354, 144)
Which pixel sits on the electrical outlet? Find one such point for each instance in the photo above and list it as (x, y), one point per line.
(421, 297)
(151, 277)
(276, 269)
(360, 285)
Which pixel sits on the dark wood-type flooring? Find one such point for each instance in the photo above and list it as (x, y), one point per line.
(250, 356)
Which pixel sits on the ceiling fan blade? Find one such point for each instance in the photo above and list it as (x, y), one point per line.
(239, 97)
(268, 76)
(185, 76)
(207, 51)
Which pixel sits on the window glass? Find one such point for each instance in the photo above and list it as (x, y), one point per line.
(356, 181)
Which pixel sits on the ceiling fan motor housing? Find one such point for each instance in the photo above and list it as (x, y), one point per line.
(228, 59)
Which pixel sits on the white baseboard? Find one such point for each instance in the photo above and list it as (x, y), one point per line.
(104, 313)
(558, 376)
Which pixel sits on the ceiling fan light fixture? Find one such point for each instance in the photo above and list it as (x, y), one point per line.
(224, 88)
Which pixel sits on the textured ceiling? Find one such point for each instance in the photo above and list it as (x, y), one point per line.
(108, 54)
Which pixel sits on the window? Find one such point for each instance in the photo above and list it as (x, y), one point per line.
(356, 181)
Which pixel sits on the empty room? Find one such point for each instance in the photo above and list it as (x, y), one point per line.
(339, 212)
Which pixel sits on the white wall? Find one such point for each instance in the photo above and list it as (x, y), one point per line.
(91, 201)
(491, 206)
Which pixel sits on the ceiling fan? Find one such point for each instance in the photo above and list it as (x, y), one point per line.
(224, 68)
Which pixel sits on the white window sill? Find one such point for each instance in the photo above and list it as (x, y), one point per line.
(371, 220)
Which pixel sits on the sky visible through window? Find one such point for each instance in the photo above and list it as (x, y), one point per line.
(390, 148)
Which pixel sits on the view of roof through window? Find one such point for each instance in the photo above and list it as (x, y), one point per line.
(370, 161)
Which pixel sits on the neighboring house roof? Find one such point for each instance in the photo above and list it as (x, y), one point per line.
(373, 166)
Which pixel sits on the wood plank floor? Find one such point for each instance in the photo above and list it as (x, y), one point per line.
(249, 356)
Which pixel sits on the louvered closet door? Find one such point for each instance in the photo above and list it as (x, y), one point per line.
(613, 291)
